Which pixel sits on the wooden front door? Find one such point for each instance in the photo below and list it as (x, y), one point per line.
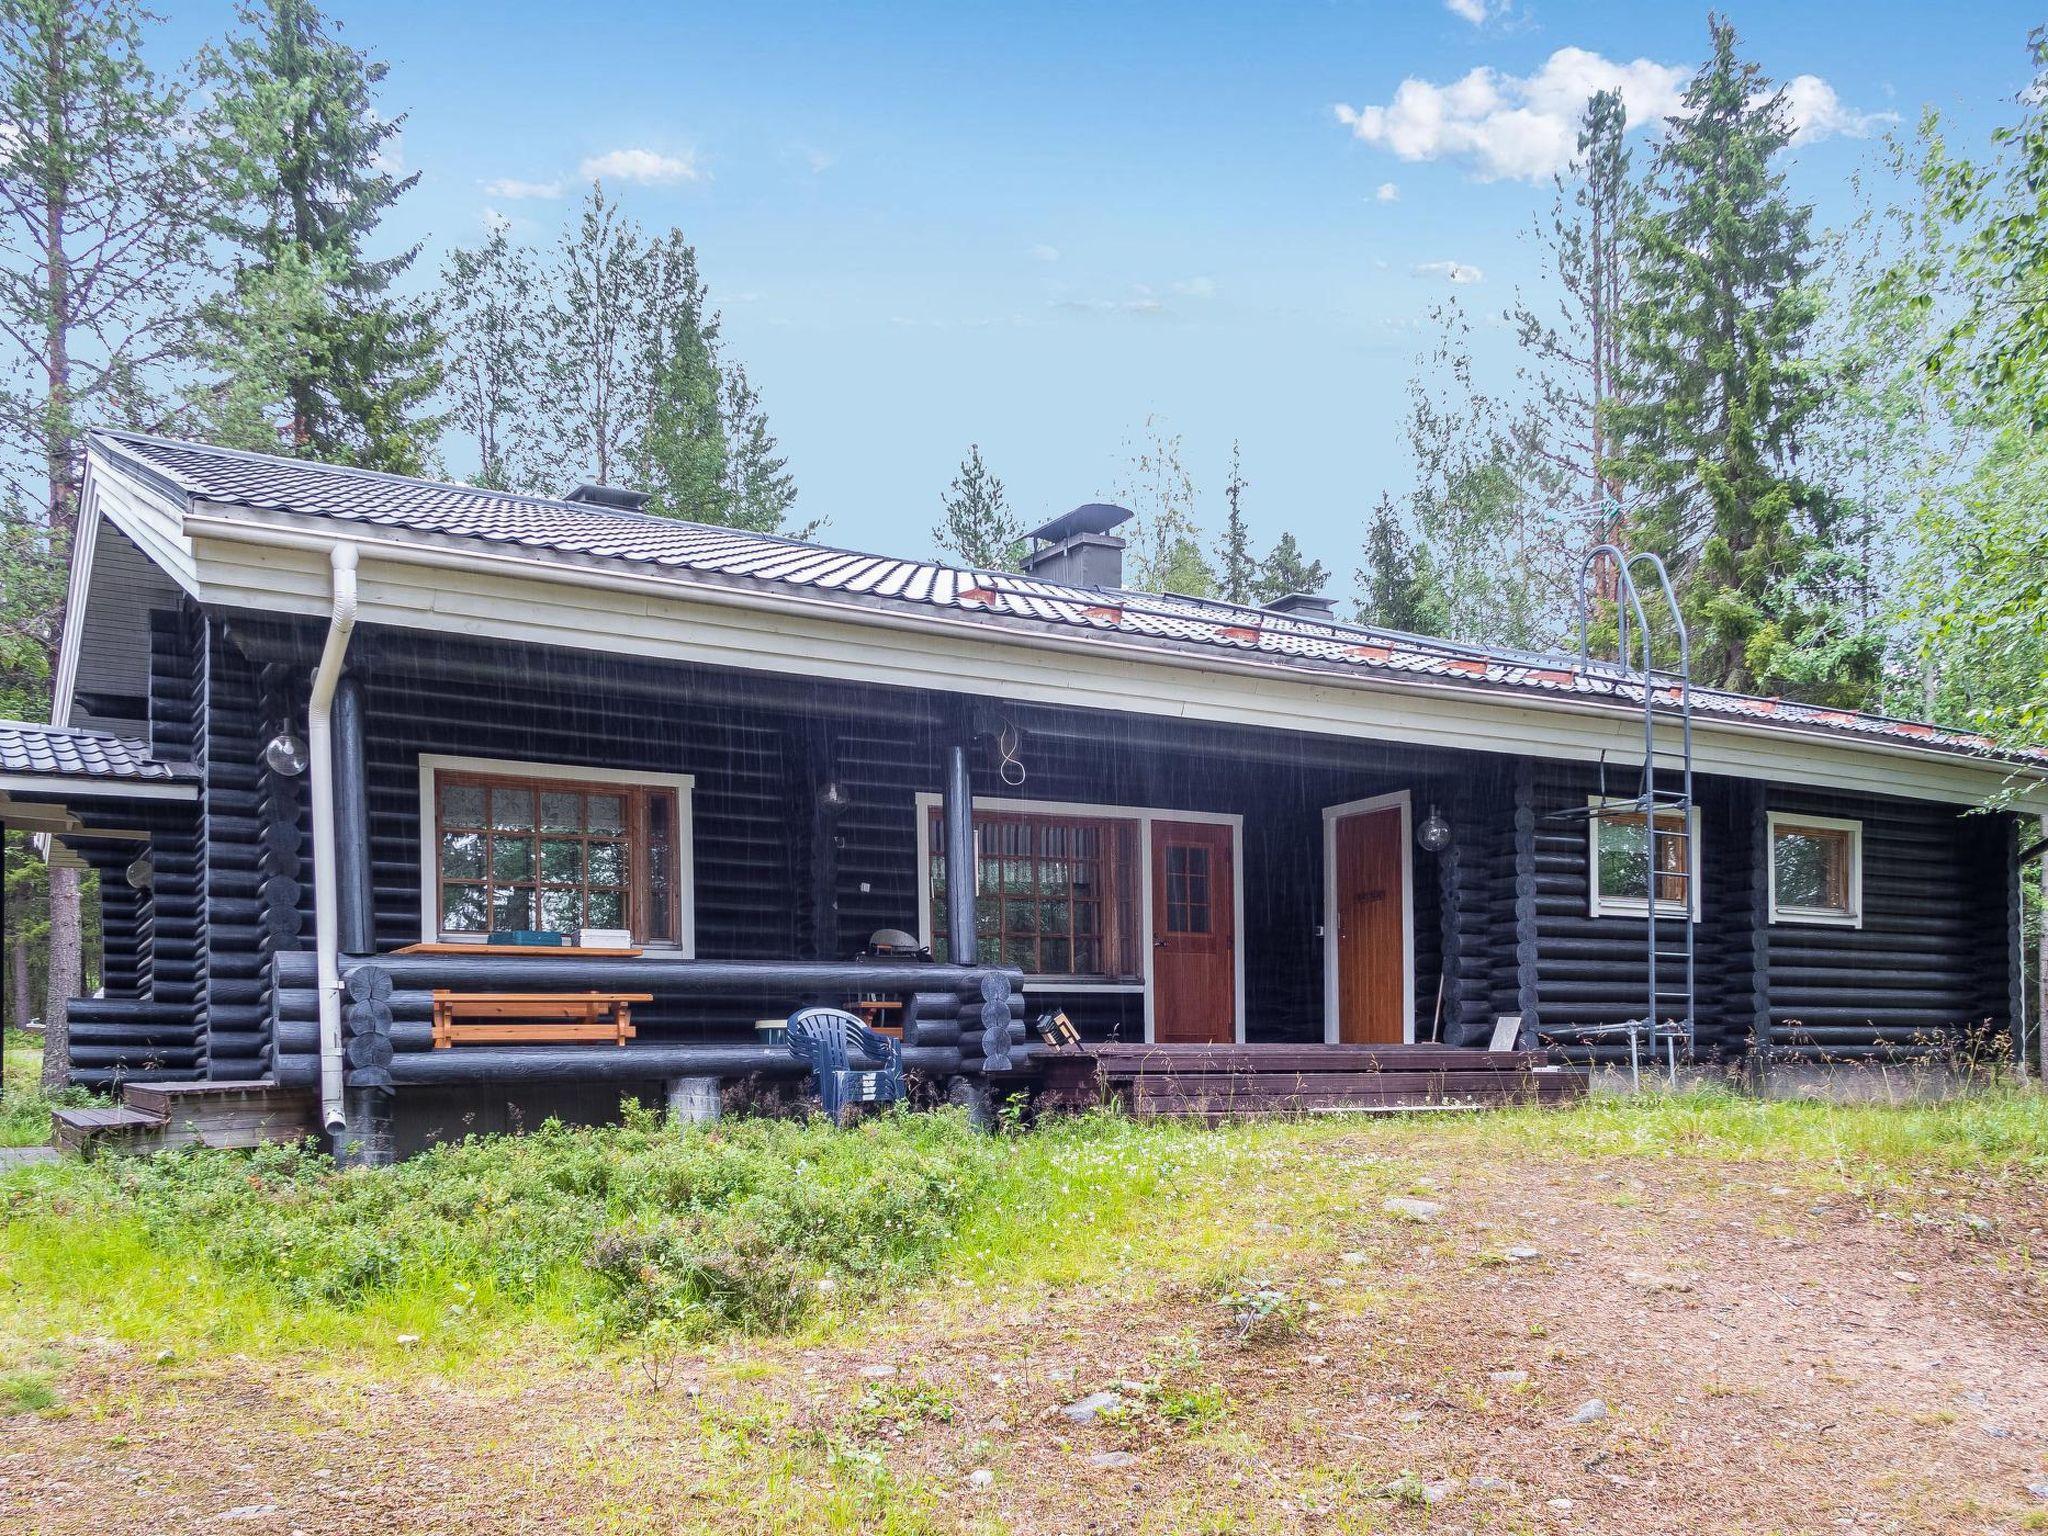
(1194, 933)
(1371, 902)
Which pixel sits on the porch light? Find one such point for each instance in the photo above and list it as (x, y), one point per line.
(140, 875)
(284, 753)
(832, 799)
(1434, 835)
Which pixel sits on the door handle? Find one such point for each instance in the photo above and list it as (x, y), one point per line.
(1159, 942)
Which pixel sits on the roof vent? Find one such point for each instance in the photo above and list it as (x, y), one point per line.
(1304, 605)
(613, 498)
(1077, 549)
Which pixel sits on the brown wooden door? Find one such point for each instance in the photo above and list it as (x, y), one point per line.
(1194, 933)
(1371, 949)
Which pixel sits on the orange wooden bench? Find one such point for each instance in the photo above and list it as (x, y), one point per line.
(521, 1018)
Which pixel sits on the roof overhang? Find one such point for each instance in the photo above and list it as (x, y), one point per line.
(276, 562)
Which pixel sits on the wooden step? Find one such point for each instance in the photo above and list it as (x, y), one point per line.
(89, 1128)
(155, 1116)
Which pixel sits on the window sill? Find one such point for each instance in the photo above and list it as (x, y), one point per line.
(1814, 917)
(1640, 910)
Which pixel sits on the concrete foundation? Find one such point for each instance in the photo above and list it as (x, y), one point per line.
(693, 1100)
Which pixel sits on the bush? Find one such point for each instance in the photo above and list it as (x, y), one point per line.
(741, 1225)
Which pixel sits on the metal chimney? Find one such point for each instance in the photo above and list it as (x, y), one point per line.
(1304, 605)
(613, 498)
(1078, 550)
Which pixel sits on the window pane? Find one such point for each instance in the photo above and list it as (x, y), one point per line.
(512, 809)
(462, 855)
(607, 864)
(512, 908)
(1624, 869)
(462, 805)
(607, 910)
(561, 810)
(462, 908)
(1813, 868)
(608, 812)
(511, 859)
(561, 911)
(561, 860)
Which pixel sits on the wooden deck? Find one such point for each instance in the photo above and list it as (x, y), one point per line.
(1226, 1082)
(154, 1116)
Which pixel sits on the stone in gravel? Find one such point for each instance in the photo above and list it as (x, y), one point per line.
(247, 1512)
(1110, 1460)
(1591, 1411)
(877, 1372)
(1522, 1254)
(980, 1477)
(1560, 1505)
(1409, 1209)
(2038, 1490)
(1410, 1418)
(1507, 1378)
(1436, 1493)
(1485, 1484)
(1088, 1409)
(1646, 1280)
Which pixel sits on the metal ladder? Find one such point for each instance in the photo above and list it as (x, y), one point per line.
(1664, 791)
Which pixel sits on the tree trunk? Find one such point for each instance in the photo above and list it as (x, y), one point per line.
(64, 976)
(17, 971)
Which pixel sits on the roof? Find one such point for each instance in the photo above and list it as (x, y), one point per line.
(582, 534)
(58, 753)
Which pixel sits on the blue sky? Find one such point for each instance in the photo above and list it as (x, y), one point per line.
(1032, 225)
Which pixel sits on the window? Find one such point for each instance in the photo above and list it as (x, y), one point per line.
(1816, 870)
(1621, 857)
(1057, 895)
(537, 846)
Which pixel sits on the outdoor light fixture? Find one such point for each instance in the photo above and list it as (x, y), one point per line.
(1434, 835)
(140, 875)
(284, 753)
(832, 799)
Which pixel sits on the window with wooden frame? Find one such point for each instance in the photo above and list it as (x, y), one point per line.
(526, 847)
(1621, 853)
(1057, 895)
(1816, 870)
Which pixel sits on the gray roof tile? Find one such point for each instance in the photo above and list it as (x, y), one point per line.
(58, 752)
(468, 512)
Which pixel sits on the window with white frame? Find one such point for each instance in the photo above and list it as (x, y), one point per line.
(1623, 856)
(553, 847)
(1816, 870)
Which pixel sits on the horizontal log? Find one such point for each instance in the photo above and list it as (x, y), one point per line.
(544, 972)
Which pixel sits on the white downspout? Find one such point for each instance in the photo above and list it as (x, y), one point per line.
(341, 622)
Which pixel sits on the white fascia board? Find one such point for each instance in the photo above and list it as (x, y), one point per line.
(80, 788)
(274, 563)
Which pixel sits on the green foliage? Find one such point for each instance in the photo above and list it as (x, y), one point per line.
(978, 527)
(1286, 569)
(1236, 568)
(493, 347)
(1719, 391)
(1398, 582)
(1165, 541)
(27, 1392)
(346, 367)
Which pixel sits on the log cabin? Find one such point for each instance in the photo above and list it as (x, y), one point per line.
(325, 732)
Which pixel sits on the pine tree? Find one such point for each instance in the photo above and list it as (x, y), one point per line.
(1236, 569)
(1717, 391)
(100, 196)
(493, 359)
(759, 489)
(303, 158)
(1398, 581)
(1285, 569)
(979, 528)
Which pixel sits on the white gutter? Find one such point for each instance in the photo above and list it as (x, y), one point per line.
(1611, 710)
(341, 623)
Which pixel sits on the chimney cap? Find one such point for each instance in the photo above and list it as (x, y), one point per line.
(1091, 517)
(1304, 605)
(613, 498)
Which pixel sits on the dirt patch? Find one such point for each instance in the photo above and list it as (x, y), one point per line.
(1769, 1353)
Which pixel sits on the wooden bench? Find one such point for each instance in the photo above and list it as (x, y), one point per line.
(521, 1018)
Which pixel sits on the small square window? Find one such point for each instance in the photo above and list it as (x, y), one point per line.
(1622, 852)
(1816, 870)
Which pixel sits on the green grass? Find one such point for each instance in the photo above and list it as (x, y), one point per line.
(24, 1107)
(578, 1240)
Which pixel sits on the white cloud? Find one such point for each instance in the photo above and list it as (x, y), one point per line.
(389, 158)
(640, 165)
(1044, 253)
(1513, 126)
(1525, 127)
(1479, 12)
(820, 160)
(512, 187)
(1457, 272)
(1387, 193)
(1818, 113)
(1196, 287)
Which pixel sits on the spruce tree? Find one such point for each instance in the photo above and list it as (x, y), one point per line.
(978, 528)
(1398, 583)
(1236, 568)
(1286, 569)
(759, 489)
(303, 160)
(1717, 391)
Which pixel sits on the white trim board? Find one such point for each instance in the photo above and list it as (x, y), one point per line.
(684, 785)
(1817, 917)
(277, 562)
(926, 801)
(1332, 814)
